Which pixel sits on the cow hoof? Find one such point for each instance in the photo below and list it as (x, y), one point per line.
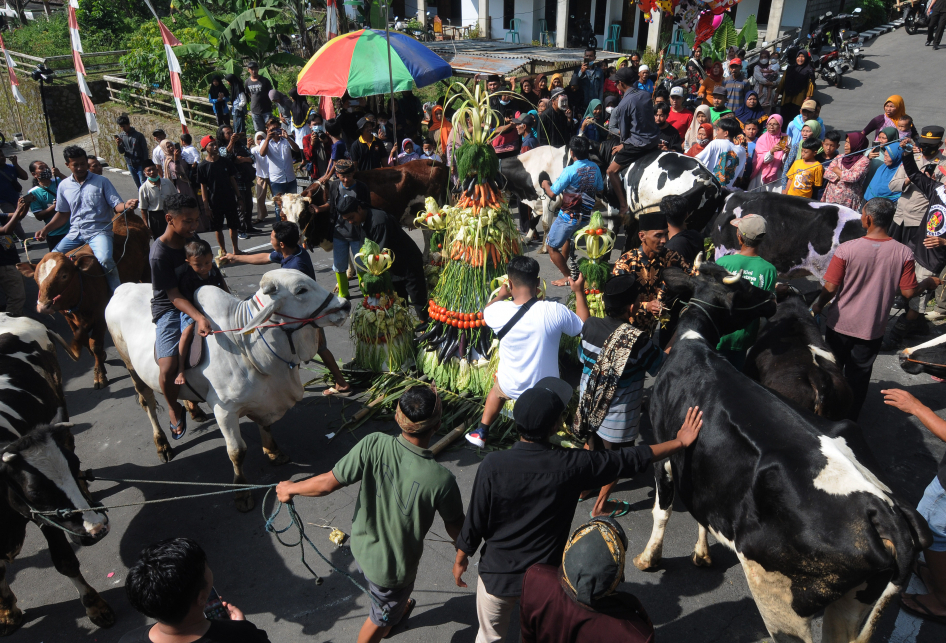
(166, 454)
(277, 458)
(244, 501)
(100, 383)
(10, 621)
(543, 250)
(100, 613)
(702, 561)
(644, 564)
(197, 414)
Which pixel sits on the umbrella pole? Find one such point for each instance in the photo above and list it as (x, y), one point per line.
(387, 33)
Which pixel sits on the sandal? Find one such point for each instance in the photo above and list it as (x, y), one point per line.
(592, 496)
(923, 611)
(401, 625)
(182, 425)
(623, 509)
(338, 392)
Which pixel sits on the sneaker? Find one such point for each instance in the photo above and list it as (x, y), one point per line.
(935, 315)
(478, 437)
(899, 303)
(243, 236)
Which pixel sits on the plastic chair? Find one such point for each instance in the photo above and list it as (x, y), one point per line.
(545, 36)
(513, 33)
(614, 38)
(678, 45)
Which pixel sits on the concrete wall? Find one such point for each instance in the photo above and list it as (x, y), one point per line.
(793, 14)
(470, 11)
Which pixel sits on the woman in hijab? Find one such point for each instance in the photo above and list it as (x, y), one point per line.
(845, 175)
(440, 128)
(408, 153)
(592, 124)
(238, 93)
(700, 116)
(894, 110)
(713, 77)
(809, 130)
(299, 113)
(751, 111)
(219, 95)
(542, 86)
(766, 75)
(704, 134)
(610, 102)
(797, 85)
(557, 81)
(892, 154)
(769, 155)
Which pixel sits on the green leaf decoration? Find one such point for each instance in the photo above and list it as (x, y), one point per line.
(725, 35)
(749, 35)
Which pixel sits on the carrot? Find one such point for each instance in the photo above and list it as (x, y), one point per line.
(482, 256)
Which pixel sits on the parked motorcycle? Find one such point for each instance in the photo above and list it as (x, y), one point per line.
(425, 34)
(915, 17)
(850, 48)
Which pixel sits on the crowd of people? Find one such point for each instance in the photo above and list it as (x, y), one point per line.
(767, 135)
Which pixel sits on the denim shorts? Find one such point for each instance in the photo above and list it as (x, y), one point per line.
(562, 231)
(933, 508)
(395, 600)
(186, 320)
(167, 334)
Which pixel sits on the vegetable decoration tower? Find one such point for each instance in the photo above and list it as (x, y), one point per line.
(479, 238)
(381, 325)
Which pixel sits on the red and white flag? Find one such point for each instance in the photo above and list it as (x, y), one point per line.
(326, 107)
(84, 92)
(14, 83)
(173, 66)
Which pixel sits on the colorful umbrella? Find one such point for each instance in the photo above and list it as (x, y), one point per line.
(357, 63)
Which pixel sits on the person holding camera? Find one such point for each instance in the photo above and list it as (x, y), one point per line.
(133, 145)
(590, 80)
(173, 584)
(277, 149)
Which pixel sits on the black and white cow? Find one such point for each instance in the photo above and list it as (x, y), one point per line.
(791, 358)
(928, 357)
(793, 494)
(801, 234)
(39, 470)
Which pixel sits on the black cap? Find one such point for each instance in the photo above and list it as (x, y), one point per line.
(252, 65)
(932, 134)
(652, 221)
(625, 75)
(621, 291)
(542, 406)
(363, 121)
(558, 91)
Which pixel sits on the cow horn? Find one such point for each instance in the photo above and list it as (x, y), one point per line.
(9, 456)
(698, 261)
(731, 279)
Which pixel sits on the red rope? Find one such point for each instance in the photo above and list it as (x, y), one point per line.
(295, 320)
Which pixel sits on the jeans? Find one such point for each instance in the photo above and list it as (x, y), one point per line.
(101, 246)
(259, 121)
(137, 173)
(239, 120)
(341, 248)
(289, 187)
(856, 358)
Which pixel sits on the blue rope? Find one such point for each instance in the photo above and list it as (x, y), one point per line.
(288, 363)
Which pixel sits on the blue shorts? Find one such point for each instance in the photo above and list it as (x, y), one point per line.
(562, 231)
(167, 334)
(933, 508)
(186, 320)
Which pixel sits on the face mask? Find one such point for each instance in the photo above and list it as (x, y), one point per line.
(349, 109)
(702, 141)
(504, 101)
(46, 174)
(609, 109)
(318, 129)
(154, 179)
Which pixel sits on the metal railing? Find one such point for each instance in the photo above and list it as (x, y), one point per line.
(159, 101)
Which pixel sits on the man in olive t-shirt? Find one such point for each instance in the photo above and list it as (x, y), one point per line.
(402, 487)
(758, 272)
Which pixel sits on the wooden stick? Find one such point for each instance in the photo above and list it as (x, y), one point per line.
(450, 438)
(358, 416)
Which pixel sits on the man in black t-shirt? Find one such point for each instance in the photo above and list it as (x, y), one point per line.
(367, 151)
(688, 243)
(258, 87)
(668, 137)
(11, 281)
(172, 583)
(217, 178)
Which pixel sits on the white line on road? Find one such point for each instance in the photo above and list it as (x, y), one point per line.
(907, 627)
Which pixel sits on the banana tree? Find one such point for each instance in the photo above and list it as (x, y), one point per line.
(253, 34)
(726, 36)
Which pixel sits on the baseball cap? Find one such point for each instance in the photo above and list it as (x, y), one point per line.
(541, 406)
(205, 140)
(676, 91)
(809, 105)
(735, 61)
(525, 119)
(719, 91)
(363, 121)
(556, 92)
(751, 226)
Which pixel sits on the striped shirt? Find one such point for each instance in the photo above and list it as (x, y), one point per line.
(622, 423)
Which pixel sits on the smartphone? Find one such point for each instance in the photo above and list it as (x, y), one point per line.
(215, 609)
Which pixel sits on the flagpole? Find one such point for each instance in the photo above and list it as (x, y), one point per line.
(387, 33)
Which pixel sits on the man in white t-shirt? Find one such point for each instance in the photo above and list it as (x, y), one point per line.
(722, 157)
(157, 154)
(189, 153)
(277, 148)
(528, 350)
(262, 177)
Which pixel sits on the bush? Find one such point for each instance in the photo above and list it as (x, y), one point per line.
(44, 39)
(147, 64)
(873, 13)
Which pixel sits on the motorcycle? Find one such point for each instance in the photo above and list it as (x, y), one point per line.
(915, 17)
(850, 48)
(582, 34)
(425, 34)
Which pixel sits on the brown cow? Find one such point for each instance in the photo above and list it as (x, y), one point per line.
(74, 284)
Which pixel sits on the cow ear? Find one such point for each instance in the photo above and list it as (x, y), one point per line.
(262, 317)
(678, 282)
(85, 262)
(26, 269)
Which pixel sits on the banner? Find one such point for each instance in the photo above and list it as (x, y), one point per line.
(14, 83)
(84, 92)
(173, 65)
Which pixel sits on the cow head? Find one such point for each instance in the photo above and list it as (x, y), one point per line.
(316, 229)
(726, 300)
(291, 294)
(929, 357)
(58, 278)
(41, 473)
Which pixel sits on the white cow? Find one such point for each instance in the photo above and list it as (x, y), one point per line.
(252, 374)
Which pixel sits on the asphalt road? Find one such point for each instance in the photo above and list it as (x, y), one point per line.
(269, 582)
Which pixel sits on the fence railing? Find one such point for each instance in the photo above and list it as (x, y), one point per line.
(159, 101)
(95, 63)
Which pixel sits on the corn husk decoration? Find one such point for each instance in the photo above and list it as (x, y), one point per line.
(382, 323)
(457, 349)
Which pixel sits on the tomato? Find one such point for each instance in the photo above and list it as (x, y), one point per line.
(600, 230)
(465, 325)
(439, 246)
(479, 315)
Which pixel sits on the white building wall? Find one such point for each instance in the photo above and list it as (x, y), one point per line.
(469, 9)
(745, 9)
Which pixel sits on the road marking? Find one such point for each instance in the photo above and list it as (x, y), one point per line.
(907, 627)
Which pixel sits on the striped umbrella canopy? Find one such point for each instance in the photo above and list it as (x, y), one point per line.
(357, 63)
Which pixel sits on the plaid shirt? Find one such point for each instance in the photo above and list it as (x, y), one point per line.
(649, 273)
(735, 93)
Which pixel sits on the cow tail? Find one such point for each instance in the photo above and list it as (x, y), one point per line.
(57, 338)
(822, 389)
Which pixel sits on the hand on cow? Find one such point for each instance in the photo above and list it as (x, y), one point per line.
(203, 326)
(236, 614)
(691, 426)
(902, 400)
(934, 242)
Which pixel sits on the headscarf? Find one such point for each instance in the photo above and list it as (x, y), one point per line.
(747, 114)
(406, 156)
(236, 84)
(794, 153)
(590, 111)
(892, 134)
(436, 119)
(220, 88)
(299, 108)
(168, 148)
(899, 111)
(690, 138)
(765, 144)
(446, 127)
(554, 77)
(717, 78)
(880, 183)
(858, 144)
(797, 77)
(409, 426)
(622, 59)
(534, 130)
(696, 148)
